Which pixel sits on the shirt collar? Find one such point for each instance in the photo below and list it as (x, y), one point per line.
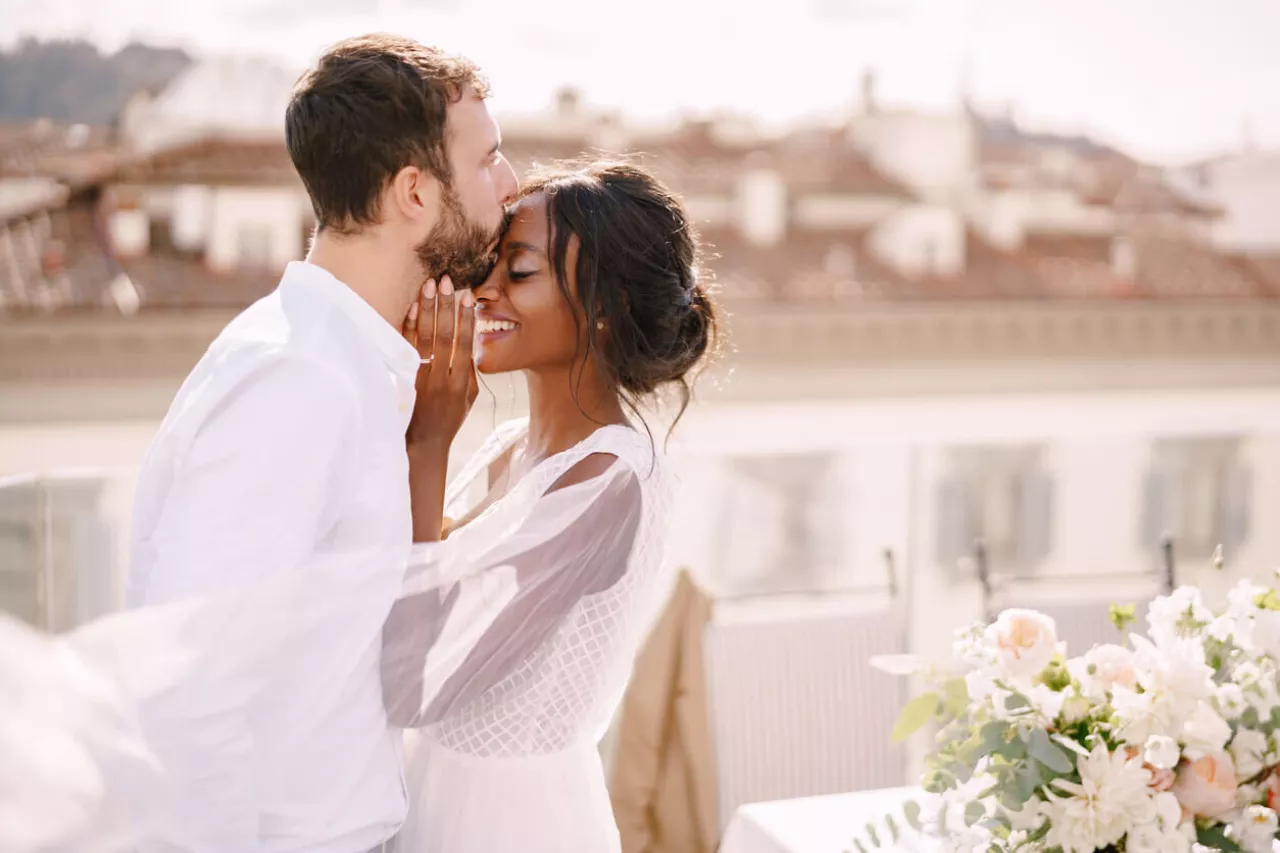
(399, 355)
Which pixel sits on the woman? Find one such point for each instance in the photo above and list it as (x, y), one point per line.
(513, 645)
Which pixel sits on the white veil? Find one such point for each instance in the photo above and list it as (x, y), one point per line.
(101, 730)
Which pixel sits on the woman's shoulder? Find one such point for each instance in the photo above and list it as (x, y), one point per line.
(621, 448)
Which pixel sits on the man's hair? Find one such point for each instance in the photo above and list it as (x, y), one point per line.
(370, 107)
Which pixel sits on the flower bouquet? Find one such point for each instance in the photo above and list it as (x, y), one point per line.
(1164, 743)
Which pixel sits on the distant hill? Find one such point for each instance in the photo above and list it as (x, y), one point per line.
(71, 81)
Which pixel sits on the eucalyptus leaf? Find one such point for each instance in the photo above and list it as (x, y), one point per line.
(911, 811)
(915, 715)
(1048, 753)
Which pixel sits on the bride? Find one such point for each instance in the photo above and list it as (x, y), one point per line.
(509, 652)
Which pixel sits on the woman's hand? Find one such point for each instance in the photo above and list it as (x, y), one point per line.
(442, 325)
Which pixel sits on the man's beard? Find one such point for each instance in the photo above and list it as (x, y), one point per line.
(457, 247)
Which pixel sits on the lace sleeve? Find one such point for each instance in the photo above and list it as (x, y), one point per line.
(462, 623)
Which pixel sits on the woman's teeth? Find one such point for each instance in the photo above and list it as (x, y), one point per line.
(483, 326)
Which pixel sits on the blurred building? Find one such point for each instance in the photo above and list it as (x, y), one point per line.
(942, 328)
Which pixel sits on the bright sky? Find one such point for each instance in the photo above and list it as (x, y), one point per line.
(1166, 79)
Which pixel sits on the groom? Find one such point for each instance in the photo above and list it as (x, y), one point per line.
(287, 442)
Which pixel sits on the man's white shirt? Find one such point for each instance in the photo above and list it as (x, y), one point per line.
(286, 445)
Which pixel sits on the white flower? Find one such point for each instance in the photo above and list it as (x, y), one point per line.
(1161, 752)
(1075, 708)
(980, 684)
(1266, 632)
(1248, 752)
(1176, 669)
(1204, 732)
(1242, 599)
(1255, 830)
(1170, 616)
(1169, 811)
(1025, 641)
(1046, 701)
(1249, 795)
(1111, 798)
(1149, 838)
(1102, 668)
(1230, 701)
(1028, 817)
(1175, 681)
(972, 647)
(1141, 715)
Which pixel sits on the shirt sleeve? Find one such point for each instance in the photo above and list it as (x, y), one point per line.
(465, 621)
(246, 506)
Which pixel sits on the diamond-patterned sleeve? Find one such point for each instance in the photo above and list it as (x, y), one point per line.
(468, 617)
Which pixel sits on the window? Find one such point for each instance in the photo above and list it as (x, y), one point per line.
(254, 240)
(1199, 492)
(781, 522)
(1001, 495)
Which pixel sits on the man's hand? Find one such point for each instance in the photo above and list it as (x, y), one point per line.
(441, 324)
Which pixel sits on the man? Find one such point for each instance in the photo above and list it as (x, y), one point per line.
(286, 447)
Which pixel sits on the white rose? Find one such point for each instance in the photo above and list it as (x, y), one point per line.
(1205, 732)
(1248, 752)
(1026, 641)
(1161, 752)
(1256, 829)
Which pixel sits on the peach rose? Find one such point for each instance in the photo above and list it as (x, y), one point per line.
(1207, 786)
(1026, 641)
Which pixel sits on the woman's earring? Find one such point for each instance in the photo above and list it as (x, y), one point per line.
(600, 324)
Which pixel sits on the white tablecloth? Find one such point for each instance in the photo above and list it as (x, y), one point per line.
(820, 824)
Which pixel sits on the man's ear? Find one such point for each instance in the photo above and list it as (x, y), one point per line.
(413, 194)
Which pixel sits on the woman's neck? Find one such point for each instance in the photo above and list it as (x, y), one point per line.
(559, 418)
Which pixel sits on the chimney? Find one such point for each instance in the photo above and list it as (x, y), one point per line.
(568, 101)
(130, 232)
(1124, 259)
(869, 105)
(762, 205)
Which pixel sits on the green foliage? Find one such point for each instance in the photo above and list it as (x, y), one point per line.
(1215, 838)
(1122, 616)
(915, 715)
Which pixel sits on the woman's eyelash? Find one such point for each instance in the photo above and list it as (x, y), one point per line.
(516, 275)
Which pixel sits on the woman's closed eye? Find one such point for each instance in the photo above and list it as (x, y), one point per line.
(517, 274)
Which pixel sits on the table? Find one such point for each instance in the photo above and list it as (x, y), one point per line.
(820, 824)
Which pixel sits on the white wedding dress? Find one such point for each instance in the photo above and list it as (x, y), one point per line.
(529, 620)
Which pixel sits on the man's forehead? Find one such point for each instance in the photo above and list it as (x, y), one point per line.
(469, 122)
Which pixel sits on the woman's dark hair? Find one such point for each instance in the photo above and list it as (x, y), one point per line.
(637, 271)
